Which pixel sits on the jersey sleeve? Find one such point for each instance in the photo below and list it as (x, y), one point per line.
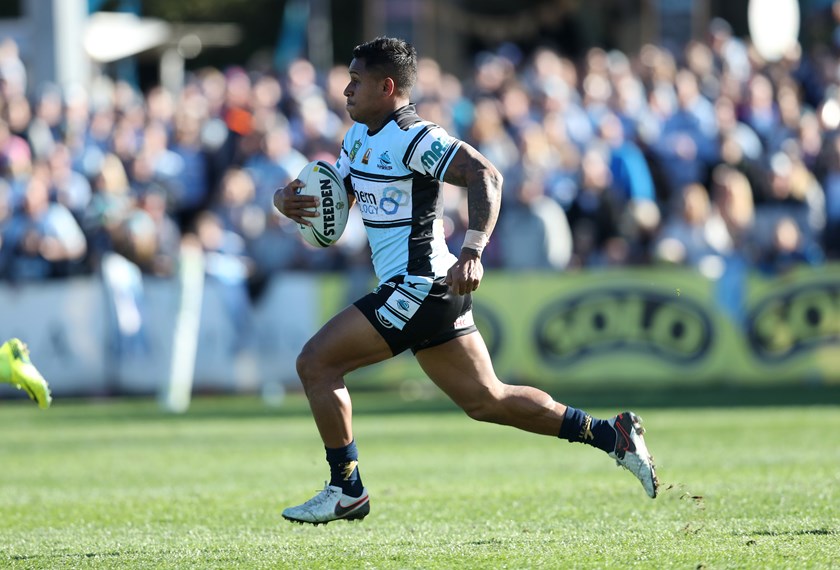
(343, 162)
(431, 150)
(343, 166)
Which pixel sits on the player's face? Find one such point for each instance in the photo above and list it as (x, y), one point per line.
(365, 94)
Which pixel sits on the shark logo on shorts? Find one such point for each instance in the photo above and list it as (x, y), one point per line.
(403, 304)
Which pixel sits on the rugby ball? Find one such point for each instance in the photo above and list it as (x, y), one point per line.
(321, 179)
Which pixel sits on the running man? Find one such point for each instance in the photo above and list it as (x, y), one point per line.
(393, 163)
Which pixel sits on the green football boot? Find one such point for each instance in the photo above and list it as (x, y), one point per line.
(17, 369)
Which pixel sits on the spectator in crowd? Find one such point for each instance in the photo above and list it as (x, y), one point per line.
(830, 178)
(110, 204)
(69, 187)
(732, 129)
(793, 192)
(276, 164)
(18, 115)
(534, 231)
(236, 209)
(47, 126)
(490, 137)
(190, 182)
(15, 161)
(687, 144)
(788, 249)
(13, 75)
(760, 110)
(630, 173)
(227, 264)
(595, 213)
(698, 237)
(42, 239)
(732, 200)
(164, 257)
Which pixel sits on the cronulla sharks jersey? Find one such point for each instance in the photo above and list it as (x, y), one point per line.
(396, 175)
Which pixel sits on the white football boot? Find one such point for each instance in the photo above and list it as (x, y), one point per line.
(331, 504)
(631, 451)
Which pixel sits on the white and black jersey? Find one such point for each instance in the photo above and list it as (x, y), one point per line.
(396, 173)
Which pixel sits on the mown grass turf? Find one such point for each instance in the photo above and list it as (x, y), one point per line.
(119, 485)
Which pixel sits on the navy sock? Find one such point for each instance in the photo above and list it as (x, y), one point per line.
(580, 427)
(344, 469)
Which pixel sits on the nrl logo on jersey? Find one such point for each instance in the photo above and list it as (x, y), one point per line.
(384, 161)
(356, 146)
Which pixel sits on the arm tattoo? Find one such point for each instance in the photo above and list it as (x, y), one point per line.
(470, 169)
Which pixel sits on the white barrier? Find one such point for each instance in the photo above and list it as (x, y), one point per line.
(64, 324)
(81, 345)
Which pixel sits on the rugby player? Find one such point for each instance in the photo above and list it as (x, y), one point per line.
(393, 163)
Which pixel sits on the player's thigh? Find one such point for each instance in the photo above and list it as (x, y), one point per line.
(346, 342)
(462, 368)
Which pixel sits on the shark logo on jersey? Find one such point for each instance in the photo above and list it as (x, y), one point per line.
(384, 161)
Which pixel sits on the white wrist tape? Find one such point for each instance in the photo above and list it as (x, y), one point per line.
(476, 240)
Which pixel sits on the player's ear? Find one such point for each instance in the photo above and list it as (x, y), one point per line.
(388, 86)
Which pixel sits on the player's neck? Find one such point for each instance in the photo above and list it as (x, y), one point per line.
(380, 121)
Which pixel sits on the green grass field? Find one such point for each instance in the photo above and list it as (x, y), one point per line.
(116, 484)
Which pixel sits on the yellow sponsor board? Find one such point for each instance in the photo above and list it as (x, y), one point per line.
(612, 326)
(792, 328)
(657, 326)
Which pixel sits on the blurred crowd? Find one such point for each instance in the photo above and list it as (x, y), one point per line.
(705, 158)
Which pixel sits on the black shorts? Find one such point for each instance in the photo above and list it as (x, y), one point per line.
(417, 312)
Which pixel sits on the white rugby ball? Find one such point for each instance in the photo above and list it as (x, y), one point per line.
(321, 179)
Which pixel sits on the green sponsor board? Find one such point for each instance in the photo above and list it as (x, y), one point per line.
(613, 326)
(658, 326)
(792, 325)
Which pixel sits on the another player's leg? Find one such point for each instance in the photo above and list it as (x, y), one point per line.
(462, 368)
(17, 369)
(345, 343)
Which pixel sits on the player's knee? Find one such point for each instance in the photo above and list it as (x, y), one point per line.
(484, 408)
(309, 367)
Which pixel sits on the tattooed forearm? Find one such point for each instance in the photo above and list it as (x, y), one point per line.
(483, 181)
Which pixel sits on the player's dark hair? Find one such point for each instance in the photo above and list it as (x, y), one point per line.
(390, 57)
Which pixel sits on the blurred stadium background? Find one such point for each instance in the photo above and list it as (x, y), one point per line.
(672, 196)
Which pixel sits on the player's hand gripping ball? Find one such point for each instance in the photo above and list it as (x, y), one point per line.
(322, 180)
